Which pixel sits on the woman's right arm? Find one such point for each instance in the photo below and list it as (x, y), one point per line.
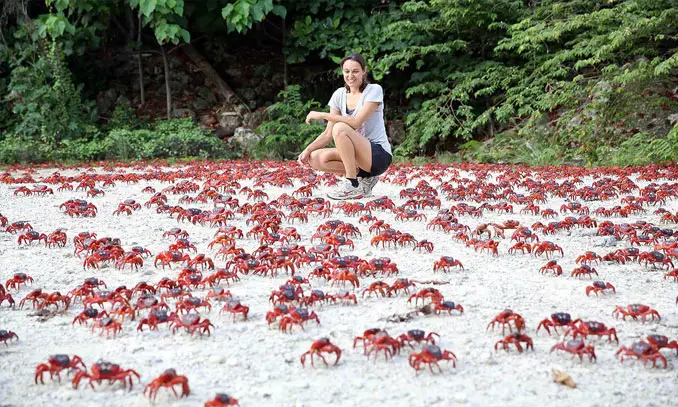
(321, 141)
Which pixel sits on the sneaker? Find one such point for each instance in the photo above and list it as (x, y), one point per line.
(368, 184)
(347, 191)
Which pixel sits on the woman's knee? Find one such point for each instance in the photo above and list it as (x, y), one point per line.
(340, 130)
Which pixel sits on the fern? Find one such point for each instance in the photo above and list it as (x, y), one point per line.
(285, 133)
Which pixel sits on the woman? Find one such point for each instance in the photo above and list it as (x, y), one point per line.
(356, 124)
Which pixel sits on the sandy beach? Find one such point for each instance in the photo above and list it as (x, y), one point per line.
(259, 365)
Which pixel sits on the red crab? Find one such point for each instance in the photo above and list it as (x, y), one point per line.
(584, 270)
(107, 325)
(599, 286)
(424, 293)
(192, 323)
(31, 236)
(557, 319)
(189, 304)
(449, 306)
(585, 328)
(168, 257)
(381, 341)
(222, 400)
(644, 351)
(490, 245)
(425, 245)
(634, 311)
(317, 348)
(17, 280)
(523, 247)
(95, 192)
(57, 238)
(379, 264)
(176, 233)
(18, 226)
(431, 355)
(418, 336)
(6, 336)
(378, 287)
(297, 316)
(367, 337)
(410, 214)
(515, 339)
(446, 263)
(547, 248)
(505, 317)
(106, 371)
(655, 258)
(576, 347)
(661, 341)
(87, 314)
(55, 364)
(169, 378)
(552, 265)
(235, 308)
(588, 258)
(401, 284)
(346, 276)
(6, 296)
(155, 317)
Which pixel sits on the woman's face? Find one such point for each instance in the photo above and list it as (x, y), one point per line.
(353, 73)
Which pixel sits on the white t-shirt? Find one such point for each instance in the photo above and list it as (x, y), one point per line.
(374, 128)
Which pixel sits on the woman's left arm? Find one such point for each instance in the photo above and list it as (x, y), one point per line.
(363, 114)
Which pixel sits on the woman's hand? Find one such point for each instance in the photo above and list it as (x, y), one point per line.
(304, 157)
(314, 116)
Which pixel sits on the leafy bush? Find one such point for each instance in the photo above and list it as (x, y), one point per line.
(286, 134)
(124, 117)
(167, 139)
(183, 138)
(46, 103)
(22, 150)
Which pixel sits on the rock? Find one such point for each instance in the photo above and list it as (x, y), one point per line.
(200, 104)
(207, 94)
(248, 94)
(673, 119)
(246, 139)
(206, 120)
(254, 118)
(106, 100)
(395, 129)
(229, 121)
(179, 113)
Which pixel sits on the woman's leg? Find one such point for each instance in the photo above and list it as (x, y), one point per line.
(354, 150)
(327, 160)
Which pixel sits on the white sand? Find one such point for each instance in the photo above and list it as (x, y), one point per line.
(259, 365)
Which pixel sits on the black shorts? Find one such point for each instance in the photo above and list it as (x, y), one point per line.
(381, 160)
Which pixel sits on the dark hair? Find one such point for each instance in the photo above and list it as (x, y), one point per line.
(359, 59)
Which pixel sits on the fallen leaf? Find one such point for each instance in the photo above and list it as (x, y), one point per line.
(563, 378)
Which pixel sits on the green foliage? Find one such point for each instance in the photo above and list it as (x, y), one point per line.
(165, 139)
(183, 138)
(285, 133)
(124, 117)
(20, 149)
(331, 29)
(486, 65)
(165, 16)
(242, 14)
(47, 104)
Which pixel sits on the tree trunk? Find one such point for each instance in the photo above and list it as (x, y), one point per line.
(284, 28)
(142, 93)
(167, 83)
(224, 91)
